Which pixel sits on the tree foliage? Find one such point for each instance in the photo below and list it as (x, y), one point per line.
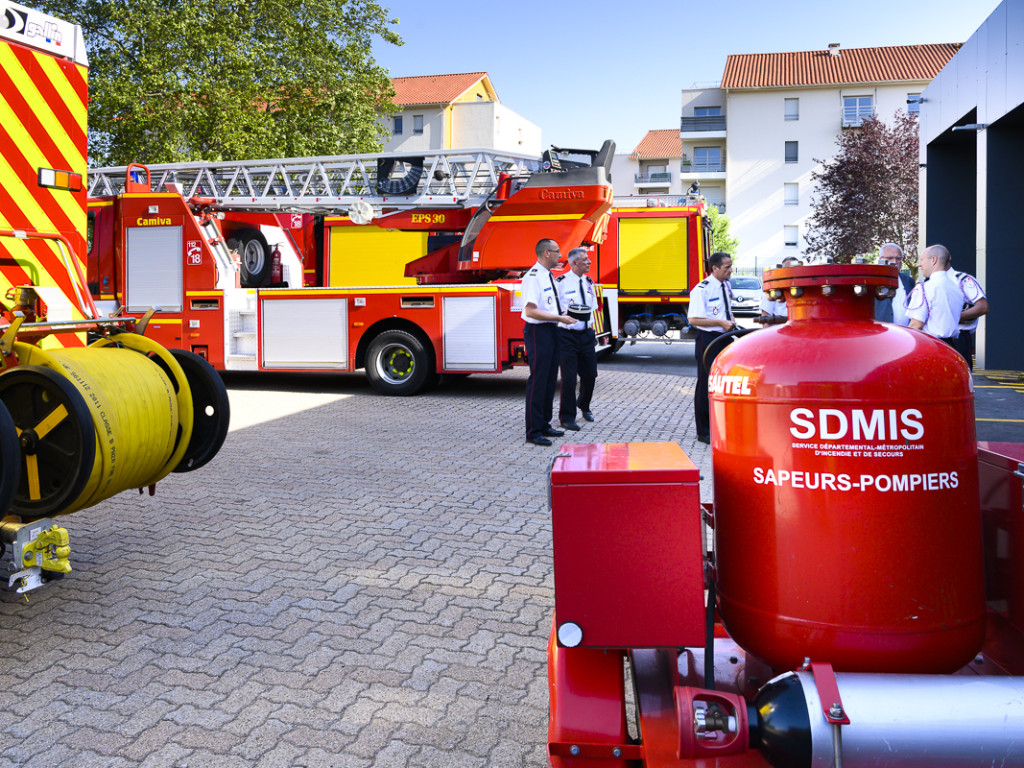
(723, 239)
(867, 195)
(229, 80)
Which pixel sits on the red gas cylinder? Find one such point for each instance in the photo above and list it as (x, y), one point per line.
(847, 524)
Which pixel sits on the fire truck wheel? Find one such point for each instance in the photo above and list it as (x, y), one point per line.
(57, 440)
(10, 459)
(255, 254)
(397, 363)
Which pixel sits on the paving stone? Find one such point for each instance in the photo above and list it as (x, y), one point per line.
(355, 581)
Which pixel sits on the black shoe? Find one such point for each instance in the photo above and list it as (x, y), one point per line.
(588, 416)
(551, 432)
(538, 440)
(706, 439)
(571, 425)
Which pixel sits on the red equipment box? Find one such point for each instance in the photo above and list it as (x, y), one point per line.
(626, 528)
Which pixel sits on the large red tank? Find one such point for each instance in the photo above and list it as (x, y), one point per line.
(847, 526)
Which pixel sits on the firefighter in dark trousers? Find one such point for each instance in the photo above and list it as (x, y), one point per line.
(711, 315)
(579, 351)
(542, 312)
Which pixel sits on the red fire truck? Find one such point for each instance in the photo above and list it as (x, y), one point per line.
(647, 265)
(442, 298)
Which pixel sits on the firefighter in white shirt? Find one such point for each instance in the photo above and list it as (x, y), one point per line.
(934, 305)
(711, 315)
(975, 305)
(542, 312)
(577, 342)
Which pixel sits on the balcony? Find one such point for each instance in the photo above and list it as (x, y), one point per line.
(854, 116)
(652, 178)
(691, 170)
(703, 124)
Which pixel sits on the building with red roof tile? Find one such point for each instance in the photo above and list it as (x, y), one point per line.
(753, 142)
(456, 111)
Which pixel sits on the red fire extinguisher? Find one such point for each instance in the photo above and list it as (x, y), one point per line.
(275, 265)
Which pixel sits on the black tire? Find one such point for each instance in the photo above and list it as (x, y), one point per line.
(211, 411)
(397, 363)
(255, 256)
(63, 456)
(10, 460)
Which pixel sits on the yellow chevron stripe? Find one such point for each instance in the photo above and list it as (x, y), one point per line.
(42, 109)
(34, 155)
(24, 258)
(73, 102)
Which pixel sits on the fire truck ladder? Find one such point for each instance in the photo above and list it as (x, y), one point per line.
(443, 179)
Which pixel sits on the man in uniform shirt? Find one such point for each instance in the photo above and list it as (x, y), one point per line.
(894, 310)
(934, 306)
(776, 312)
(975, 305)
(711, 315)
(577, 342)
(542, 312)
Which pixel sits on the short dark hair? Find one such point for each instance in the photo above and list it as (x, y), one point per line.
(542, 245)
(717, 258)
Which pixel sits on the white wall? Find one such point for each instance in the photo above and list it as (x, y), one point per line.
(492, 125)
(432, 137)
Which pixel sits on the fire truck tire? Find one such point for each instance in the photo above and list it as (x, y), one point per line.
(397, 363)
(10, 459)
(255, 256)
(57, 439)
(210, 407)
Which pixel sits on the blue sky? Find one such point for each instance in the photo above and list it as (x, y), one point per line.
(587, 71)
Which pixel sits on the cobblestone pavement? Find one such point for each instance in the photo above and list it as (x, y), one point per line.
(354, 581)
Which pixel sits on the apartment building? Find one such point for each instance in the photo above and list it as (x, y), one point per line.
(456, 111)
(754, 141)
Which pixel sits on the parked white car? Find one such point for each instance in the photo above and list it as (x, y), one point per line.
(746, 294)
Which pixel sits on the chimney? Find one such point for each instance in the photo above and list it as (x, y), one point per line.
(833, 49)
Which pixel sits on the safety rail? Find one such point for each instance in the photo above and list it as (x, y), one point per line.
(448, 178)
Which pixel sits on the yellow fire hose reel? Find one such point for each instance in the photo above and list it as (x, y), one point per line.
(84, 424)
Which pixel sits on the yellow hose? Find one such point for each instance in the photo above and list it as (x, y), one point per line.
(142, 419)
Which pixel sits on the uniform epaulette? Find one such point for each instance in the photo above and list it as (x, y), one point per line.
(560, 278)
(703, 282)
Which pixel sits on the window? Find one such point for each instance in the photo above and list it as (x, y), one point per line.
(856, 108)
(398, 126)
(417, 123)
(789, 235)
(792, 151)
(792, 107)
(913, 104)
(791, 194)
(707, 111)
(707, 158)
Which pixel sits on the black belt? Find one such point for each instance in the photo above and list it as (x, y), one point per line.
(576, 330)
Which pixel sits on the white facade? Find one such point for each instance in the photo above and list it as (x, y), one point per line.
(758, 152)
(492, 125)
(463, 125)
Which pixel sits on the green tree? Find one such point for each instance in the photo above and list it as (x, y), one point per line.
(724, 241)
(227, 80)
(867, 194)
